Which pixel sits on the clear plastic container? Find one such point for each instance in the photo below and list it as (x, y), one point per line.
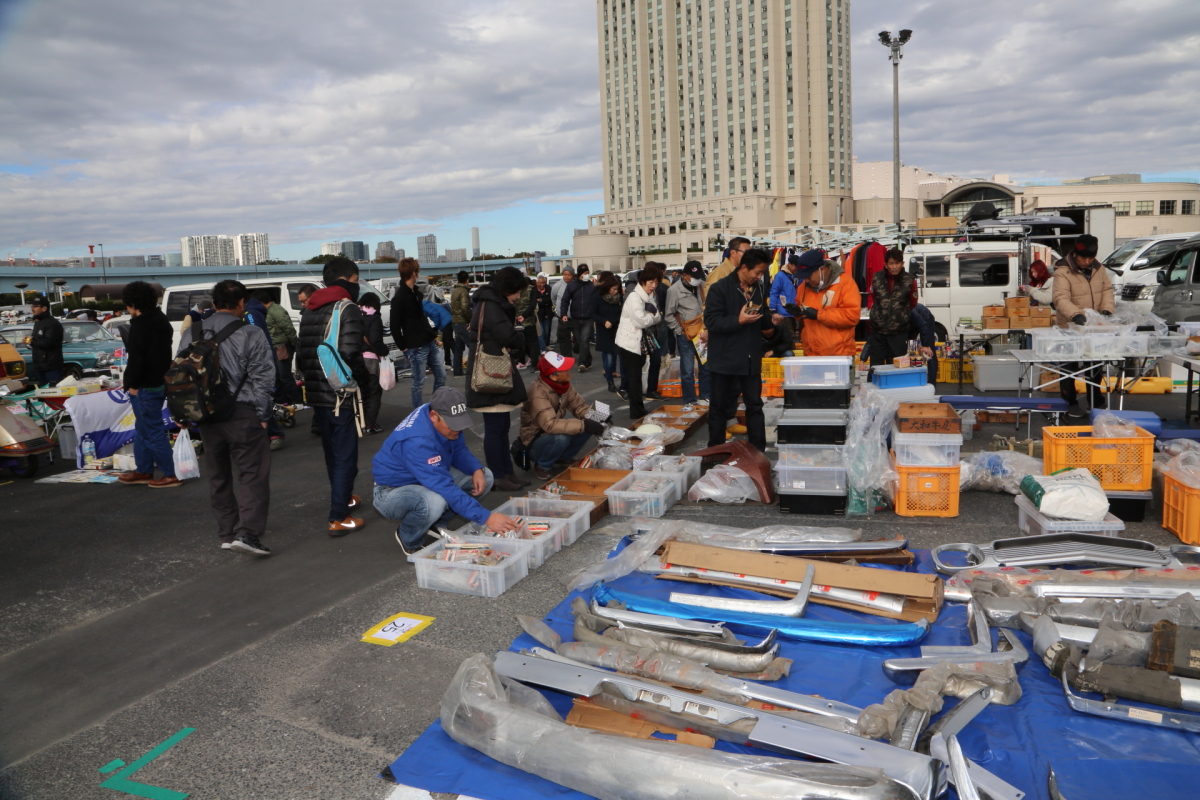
(1166, 343)
(926, 449)
(685, 469)
(576, 513)
(1137, 345)
(1032, 522)
(643, 494)
(464, 577)
(1053, 343)
(817, 370)
(1105, 344)
(542, 536)
(811, 468)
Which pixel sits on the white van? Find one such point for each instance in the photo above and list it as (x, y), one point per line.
(1136, 263)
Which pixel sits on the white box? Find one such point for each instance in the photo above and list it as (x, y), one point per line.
(817, 370)
(686, 469)
(1053, 343)
(655, 493)
(998, 373)
(926, 449)
(1032, 522)
(577, 513)
(475, 579)
(811, 468)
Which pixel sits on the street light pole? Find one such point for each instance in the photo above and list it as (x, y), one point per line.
(894, 46)
(103, 266)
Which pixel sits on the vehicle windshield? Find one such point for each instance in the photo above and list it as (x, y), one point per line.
(85, 332)
(1118, 257)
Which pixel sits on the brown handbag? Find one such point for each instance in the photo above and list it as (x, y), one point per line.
(491, 374)
(692, 327)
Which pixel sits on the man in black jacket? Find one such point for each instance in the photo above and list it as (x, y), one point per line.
(737, 317)
(45, 344)
(149, 352)
(335, 412)
(413, 333)
(579, 303)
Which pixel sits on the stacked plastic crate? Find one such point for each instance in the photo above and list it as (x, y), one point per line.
(810, 471)
(927, 473)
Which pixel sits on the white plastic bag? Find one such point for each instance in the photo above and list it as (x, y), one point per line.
(387, 374)
(724, 484)
(184, 456)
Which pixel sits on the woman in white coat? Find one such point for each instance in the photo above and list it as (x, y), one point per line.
(638, 313)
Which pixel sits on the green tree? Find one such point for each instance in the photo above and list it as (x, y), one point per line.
(386, 260)
(321, 259)
(270, 262)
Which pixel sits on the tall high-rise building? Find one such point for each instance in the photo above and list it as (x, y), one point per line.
(207, 251)
(427, 248)
(331, 249)
(474, 242)
(457, 254)
(385, 250)
(731, 115)
(355, 251)
(251, 248)
(400, 254)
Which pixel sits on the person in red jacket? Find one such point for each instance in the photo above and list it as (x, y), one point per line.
(828, 302)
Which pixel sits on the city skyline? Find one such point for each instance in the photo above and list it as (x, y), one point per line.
(358, 145)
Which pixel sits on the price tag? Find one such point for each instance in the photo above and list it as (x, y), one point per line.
(397, 628)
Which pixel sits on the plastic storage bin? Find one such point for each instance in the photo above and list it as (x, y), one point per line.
(544, 537)
(816, 370)
(1053, 343)
(1032, 522)
(800, 396)
(1137, 345)
(817, 426)
(576, 513)
(1105, 345)
(927, 491)
(1181, 509)
(462, 577)
(926, 449)
(886, 377)
(811, 468)
(686, 469)
(643, 494)
(994, 373)
(1119, 463)
(803, 501)
(1165, 344)
(925, 393)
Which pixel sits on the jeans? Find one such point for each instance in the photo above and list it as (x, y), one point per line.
(610, 362)
(237, 460)
(496, 452)
(339, 440)
(462, 339)
(688, 361)
(45, 377)
(631, 375)
(723, 407)
(550, 447)
(150, 445)
(544, 326)
(418, 509)
(427, 355)
(583, 340)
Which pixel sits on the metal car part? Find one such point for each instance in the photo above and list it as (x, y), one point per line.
(901, 668)
(638, 619)
(793, 607)
(1167, 590)
(1046, 632)
(883, 602)
(953, 721)
(920, 773)
(946, 749)
(1173, 718)
(910, 727)
(800, 548)
(1061, 549)
(977, 627)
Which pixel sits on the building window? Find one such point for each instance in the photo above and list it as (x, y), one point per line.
(1166, 207)
(1145, 208)
(1187, 207)
(1121, 207)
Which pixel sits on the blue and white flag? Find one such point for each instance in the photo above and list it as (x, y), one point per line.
(106, 418)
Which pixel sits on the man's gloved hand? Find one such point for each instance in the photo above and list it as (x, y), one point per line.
(592, 428)
(808, 312)
(650, 308)
(1106, 313)
(793, 309)
(1079, 319)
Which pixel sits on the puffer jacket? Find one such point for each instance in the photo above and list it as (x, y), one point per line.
(313, 321)
(410, 325)
(1075, 291)
(635, 318)
(46, 341)
(499, 319)
(544, 412)
(832, 332)
(894, 299)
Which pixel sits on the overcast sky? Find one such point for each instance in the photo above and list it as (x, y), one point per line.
(134, 123)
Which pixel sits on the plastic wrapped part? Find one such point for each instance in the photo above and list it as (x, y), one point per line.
(1130, 615)
(617, 433)
(881, 719)
(1174, 447)
(612, 455)
(1110, 426)
(724, 484)
(653, 535)
(1068, 494)
(515, 725)
(1020, 582)
(1119, 647)
(663, 438)
(1005, 612)
(997, 471)
(869, 471)
(765, 537)
(1185, 468)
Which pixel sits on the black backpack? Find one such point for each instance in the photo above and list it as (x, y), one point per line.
(197, 388)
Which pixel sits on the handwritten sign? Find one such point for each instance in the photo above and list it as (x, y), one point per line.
(397, 628)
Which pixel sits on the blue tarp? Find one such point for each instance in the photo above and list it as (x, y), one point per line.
(1092, 757)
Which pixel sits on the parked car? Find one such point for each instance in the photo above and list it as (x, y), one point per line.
(1136, 264)
(87, 347)
(12, 365)
(1178, 296)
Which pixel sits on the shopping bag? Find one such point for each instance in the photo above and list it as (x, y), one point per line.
(184, 452)
(387, 374)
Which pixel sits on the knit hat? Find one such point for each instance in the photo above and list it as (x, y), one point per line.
(1086, 246)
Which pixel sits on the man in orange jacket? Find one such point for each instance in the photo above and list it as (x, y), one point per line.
(828, 302)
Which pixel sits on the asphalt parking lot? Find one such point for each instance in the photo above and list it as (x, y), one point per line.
(123, 627)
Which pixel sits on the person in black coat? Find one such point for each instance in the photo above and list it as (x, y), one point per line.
(45, 344)
(737, 317)
(149, 353)
(494, 322)
(413, 332)
(375, 349)
(579, 302)
(608, 319)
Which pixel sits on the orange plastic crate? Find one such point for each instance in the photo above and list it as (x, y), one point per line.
(772, 370)
(1181, 509)
(926, 491)
(772, 388)
(1121, 464)
(670, 388)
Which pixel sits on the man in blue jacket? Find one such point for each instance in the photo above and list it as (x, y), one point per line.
(424, 473)
(783, 290)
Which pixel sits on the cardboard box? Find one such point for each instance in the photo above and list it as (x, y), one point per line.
(1018, 320)
(1041, 311)
(588, 485)
(1040, 322)
(994, 311)
(927, 418)
(995, 322)
(931, 226)
(1020, 303)
(922, 593)
(902, 362)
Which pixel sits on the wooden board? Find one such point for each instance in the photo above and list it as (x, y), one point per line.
(927, 418)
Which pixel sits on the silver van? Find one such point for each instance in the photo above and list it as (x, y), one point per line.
(1136, 264)
(1178, 295)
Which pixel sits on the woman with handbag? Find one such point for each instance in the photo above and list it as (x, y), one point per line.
(607, 317)
(374, 349)
(638, 314)
(494, 386)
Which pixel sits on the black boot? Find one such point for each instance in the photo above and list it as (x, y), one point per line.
(612, 387)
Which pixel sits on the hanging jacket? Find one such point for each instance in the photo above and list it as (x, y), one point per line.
(838, 309)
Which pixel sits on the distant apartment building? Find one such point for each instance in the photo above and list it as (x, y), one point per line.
(355, 251)
(427, 249)
(385, 250)
(207, 251)
(400, 253)
(156, 260)
(474, 242)
(719, 118)
(331, 249)
(458, 254)
(127, 262)
(173, 259)
(251, 248)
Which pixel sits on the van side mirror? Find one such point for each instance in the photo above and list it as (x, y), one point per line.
(1141, 262)
(1161, 277)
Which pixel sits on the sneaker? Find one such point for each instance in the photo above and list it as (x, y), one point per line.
(355, 502)
(624, 395)
(506, 484)
(583, 367)
(134, 477)
(250, 545)
(413, 549)
(542, 473)
(276, 442)
(652, 396)
(227, 544)
(165, 482)
(346, 526)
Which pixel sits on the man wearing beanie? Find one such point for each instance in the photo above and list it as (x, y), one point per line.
(546, 430)
(783, 290)
(1080, 283)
